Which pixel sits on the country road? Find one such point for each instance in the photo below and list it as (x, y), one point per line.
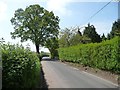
(59, 75)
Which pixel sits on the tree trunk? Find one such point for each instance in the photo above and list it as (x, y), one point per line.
(51, 52)
(38, 53)
(37, 48)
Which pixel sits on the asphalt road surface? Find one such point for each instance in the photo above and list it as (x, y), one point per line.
(60, 75)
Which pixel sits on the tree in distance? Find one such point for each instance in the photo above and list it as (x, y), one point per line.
(90, 32)
(103, 37)
(115, 29)
(65, 36)
(36, 24)
(69, 37)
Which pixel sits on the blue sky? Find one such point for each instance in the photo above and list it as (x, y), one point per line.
(71, 13)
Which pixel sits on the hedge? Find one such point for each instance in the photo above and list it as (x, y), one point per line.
(104, 55)
(21, 67)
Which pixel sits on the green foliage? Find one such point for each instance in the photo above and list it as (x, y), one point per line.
(36, 24)
(65, 36)
(104, 55)
(70, 37)
(75, 39)
(21, 67)
(103, 37)
(52, 45)
(115, 30)
(90, 32)
(108, 36)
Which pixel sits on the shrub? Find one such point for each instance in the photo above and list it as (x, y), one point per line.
(21, 67)
(104, 55)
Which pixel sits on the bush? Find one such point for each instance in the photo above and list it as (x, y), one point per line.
(104, 55)
(21, 67)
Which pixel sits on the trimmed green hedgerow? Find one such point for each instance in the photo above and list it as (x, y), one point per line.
(104, 55)
(21, 67)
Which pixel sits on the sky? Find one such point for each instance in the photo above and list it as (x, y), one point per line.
(72, 13)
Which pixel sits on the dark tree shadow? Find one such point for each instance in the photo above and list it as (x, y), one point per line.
(43, 83)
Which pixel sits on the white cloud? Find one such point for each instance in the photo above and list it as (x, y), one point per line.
(59, 7)
(3, 9)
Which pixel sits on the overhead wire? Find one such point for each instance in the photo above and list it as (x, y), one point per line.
(97, 12)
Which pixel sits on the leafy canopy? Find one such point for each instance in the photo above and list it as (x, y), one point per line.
(35, 23)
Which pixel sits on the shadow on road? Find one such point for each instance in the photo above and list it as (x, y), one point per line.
(43, 80)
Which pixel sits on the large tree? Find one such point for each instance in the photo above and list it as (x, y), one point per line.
(90, 31)
(36, 24)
